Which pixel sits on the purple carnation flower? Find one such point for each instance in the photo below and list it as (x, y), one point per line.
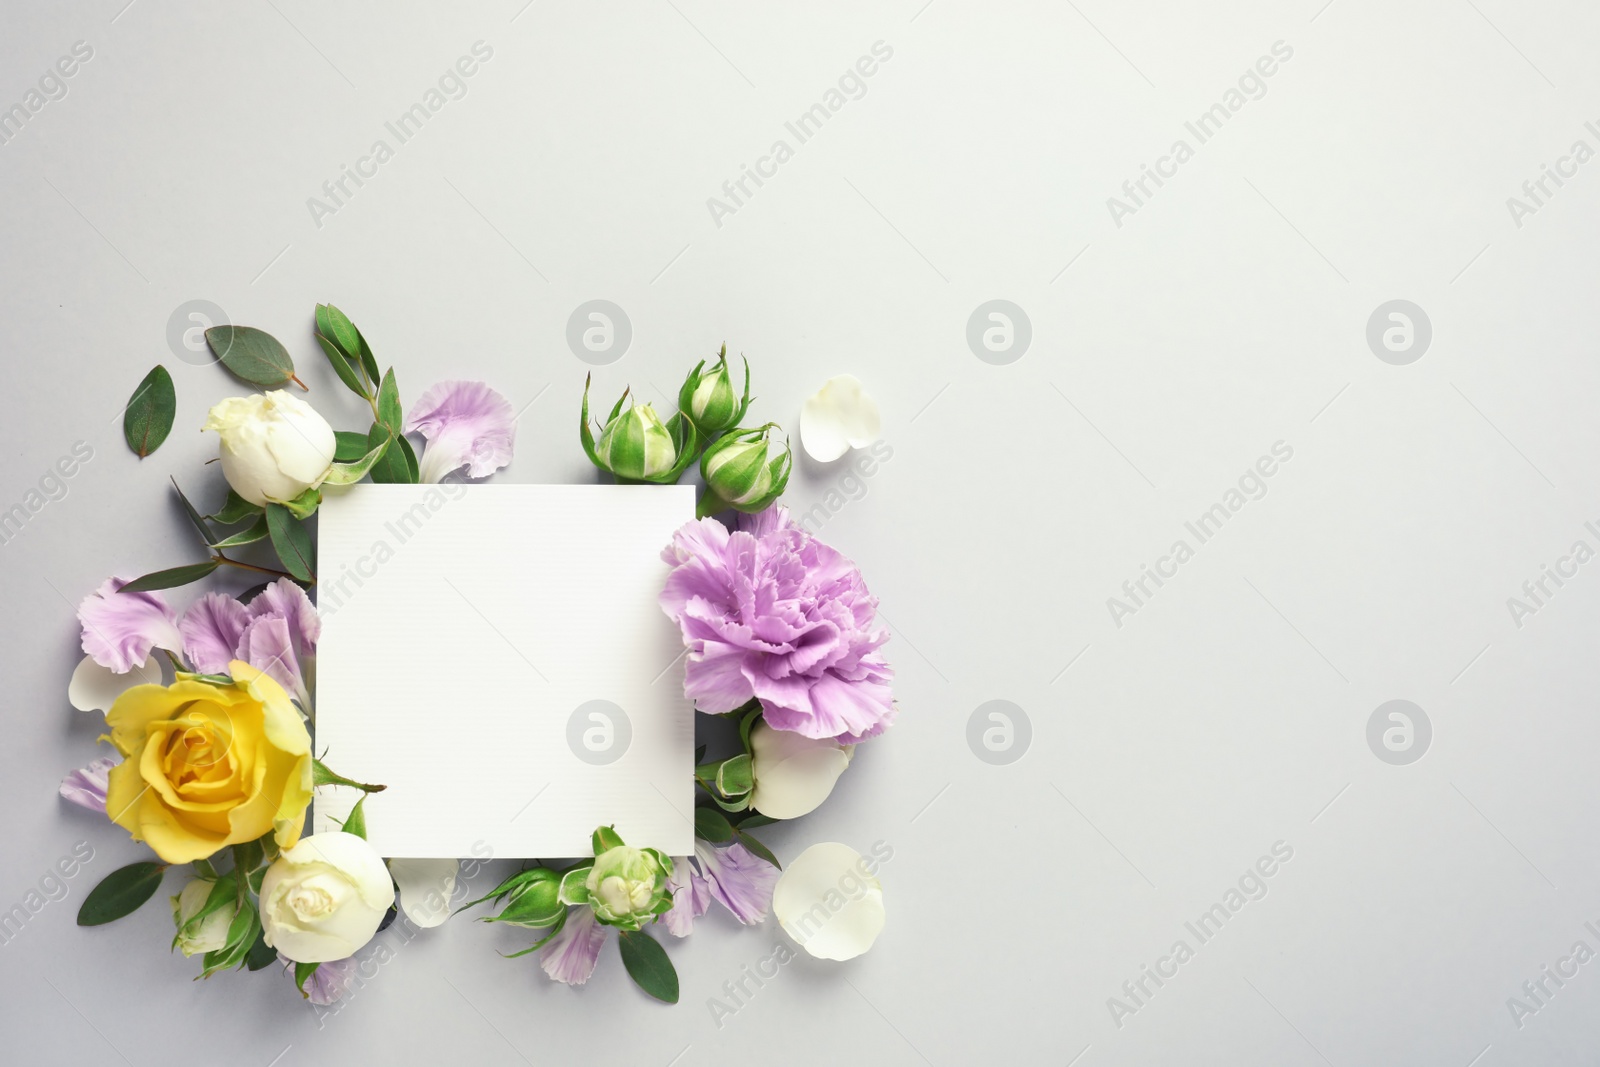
(770, 612)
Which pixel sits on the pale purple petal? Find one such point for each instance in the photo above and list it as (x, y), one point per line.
(329, 981)
(570, 956)
(770, 612)
(284, 598)
(467, 424)
(739, 880)
(211, 630)
(691, 896)
(120, 629)
(267, 646)
(86, 787)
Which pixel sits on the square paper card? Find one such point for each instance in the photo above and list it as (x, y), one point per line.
(494, 654)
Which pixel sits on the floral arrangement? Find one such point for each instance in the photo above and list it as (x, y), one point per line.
(213, 765)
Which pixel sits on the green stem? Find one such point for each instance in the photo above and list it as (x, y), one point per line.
(220, 558)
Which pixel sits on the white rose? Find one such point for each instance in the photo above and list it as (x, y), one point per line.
(793, 774)
(210, 933)
(324, 898)
(274, 447)
(830, 901)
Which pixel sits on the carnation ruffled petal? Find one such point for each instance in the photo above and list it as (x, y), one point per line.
(286, 599)
(86, 786)
(739, 880)
(466, 424)
(120, 629)
(211, 630)
(267, 645)
(570, 956)
(838, 417)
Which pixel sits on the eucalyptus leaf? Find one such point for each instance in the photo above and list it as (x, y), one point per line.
(757, 847)
(252, 355)
(195, 518)
(350, 473)
(171, 577)
(261, 954)
(349, 446)
(148, 417)
(121, 893)
(648, 965)
(368, 362)
(341, 367)
(389, 412)
(337, 327)
(292, 543)
(235, 510)
(397, 466)
(256, 531)
(711, 825)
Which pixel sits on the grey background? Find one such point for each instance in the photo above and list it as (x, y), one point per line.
(1167, 355)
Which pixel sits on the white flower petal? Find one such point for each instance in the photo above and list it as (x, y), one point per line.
(426, 887)
(838, 417)
(828, 902)
(793, 773)
(96, 688)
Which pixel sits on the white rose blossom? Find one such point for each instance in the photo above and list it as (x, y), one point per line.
(324, 898)
(274, 446)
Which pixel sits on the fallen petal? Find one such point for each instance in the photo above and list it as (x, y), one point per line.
(466, 424)
(571, 955)
(96, 688)
(426, 887)
(828, 902)
(86, 786)
(838, 417)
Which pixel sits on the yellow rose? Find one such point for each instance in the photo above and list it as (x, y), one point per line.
(207, 766)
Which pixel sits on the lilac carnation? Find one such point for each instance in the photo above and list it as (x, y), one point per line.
(772, 613)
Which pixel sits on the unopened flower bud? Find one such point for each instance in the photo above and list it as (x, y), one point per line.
(708, 398)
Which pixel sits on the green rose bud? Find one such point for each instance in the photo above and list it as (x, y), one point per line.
(636, 446)
(743, 470)
(627, 887)
(200, 932)
(707, 396)
(533, 900)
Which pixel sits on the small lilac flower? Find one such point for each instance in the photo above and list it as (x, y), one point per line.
(466, 424)
(570, 956)
(328, 982)
(120, 629)
(86, 787)
(772, 613)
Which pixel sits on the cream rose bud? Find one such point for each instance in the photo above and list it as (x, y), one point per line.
(210, 933)
(274, 446)
(324, 898)
(793, 773)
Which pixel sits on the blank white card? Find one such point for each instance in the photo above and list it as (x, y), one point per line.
(495, 655)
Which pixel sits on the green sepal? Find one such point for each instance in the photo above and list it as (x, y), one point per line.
(241, 938)
(303, 971)
(261, 954)
(356, 823)
(322, 775)
(574, 884)
(305, 505)
(604, 839)
(546, 939)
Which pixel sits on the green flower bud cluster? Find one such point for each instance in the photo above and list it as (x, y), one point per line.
(744, 469)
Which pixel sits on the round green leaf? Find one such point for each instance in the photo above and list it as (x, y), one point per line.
(648, 965)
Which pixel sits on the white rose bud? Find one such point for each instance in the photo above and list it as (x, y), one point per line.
(210, 933)
(793, 773)
(274, 446)
(324, 898)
